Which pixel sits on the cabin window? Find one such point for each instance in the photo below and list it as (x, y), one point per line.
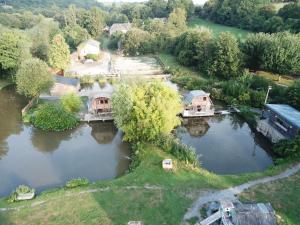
(204, 98)
(281, 124)
(106, 101)
(199, 108)
(101, 101)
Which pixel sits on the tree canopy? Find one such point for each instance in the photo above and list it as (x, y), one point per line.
(14, 47)
(59, 53)
(33, 77)
(146, 110)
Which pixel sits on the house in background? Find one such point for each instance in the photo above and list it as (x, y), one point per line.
(65, 85)
(119, 27)
(279, 122)
(89, 47)
(198, 103)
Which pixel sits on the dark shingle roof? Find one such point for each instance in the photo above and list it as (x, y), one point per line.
(287, 112)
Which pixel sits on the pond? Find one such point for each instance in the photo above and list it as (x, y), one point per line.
(226, 144)
(48, 159)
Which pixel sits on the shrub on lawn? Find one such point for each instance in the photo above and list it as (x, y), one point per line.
(53, 117)
(77, 182)
(94, 57)
(71, 102)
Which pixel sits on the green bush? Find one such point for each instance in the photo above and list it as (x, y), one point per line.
(22, 189)
(53, 117)
(94, 57)
(77, 182)
(288, 148)
(181, 151)
(71, 102)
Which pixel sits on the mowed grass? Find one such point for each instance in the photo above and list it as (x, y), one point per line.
(148, 193)
(284, 195)
(281, 80)
(196, 22)
(170, 61)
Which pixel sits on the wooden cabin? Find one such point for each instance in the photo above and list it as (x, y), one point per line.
(198, 103)
(65, 85)
(100, 103)
(279, 121)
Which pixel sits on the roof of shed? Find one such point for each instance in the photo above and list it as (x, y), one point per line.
(119, 27)
(67, 80)
(287, 112)
(254, 214)
(192, 94)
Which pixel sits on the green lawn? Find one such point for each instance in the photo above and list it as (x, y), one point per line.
(125, 198)
(282, 80)
(284, 195)
(170, 61)
(217, 28)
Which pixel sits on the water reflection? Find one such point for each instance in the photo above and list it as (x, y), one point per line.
(10, 116)
(48, 159)
(45, 141)
(103, 132)
(226, 144)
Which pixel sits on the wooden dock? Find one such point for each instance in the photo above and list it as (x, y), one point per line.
(88, 117)
(213, 218)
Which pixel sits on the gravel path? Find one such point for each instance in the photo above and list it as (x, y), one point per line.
(230, 193)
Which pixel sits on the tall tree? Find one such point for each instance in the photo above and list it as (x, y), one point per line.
(95, 22)
(177, 21)
(59, 53)
(225, 56)
(146, 110)
(33, 77)
(14, 47)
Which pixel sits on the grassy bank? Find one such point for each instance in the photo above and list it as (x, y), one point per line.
(195, 22)
(4, 83)
(171, 63)
(284, 195)
(278, 79)
(148, 194)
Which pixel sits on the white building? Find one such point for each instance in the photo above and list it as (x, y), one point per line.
(89, 47)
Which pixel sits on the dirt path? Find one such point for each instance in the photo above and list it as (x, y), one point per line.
(231, 193)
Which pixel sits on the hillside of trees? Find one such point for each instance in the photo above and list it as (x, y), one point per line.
(255, 15)
(33, 4)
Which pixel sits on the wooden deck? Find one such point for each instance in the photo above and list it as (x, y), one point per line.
(213, 218)
(88, 117)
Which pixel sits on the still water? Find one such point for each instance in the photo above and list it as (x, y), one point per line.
(48, 159)
(226, 144)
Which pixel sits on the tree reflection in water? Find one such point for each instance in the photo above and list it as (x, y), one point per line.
(11, 105)
(45, 141)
